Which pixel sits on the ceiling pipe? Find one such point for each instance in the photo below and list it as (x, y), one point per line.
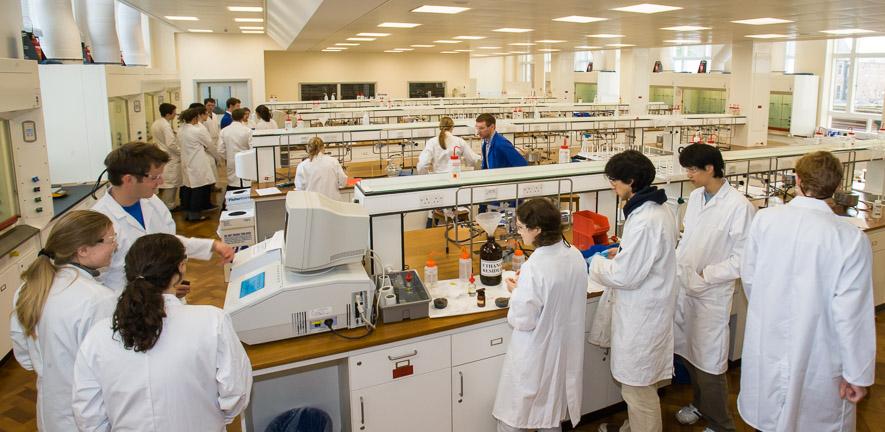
(101, 24)
(61, 37)
(130, 36)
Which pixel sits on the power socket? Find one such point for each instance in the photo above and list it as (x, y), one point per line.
(532, 189)
(432, 199)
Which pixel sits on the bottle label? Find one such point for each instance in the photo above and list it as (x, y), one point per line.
(490, 268)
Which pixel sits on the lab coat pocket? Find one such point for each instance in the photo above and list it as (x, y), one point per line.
(695, 285)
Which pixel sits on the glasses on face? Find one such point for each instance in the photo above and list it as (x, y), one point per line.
(520, 226)
(153, 178)
(692, 170)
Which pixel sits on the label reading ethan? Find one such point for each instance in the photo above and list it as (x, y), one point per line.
(490, 268)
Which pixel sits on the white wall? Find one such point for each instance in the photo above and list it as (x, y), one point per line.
(489, 75)
(162, 46)
(286, 70)
(221, 57)
(10, 29)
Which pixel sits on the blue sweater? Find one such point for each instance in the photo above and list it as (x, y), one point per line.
(501, 154)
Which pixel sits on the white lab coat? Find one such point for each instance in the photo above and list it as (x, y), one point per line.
(213, 126)
(642, 277)
(263, 125)
(435, 159)
(76, 301)
(540, 382)
(807, 274)
(196, 378)
(157, 219)
(235, 138)
(164, 137)
(712, 244)
(197, 160)
(323, 174)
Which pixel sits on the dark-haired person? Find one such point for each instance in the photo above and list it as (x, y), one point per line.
(212, 121)
(265, 118)
(234, 139)
(56, 307)
(540, 384)
(641, 276)
(198, 161)
(810, 343)
(497, 151)
(708, 264)
(135, 170)
(164, 137)
(158, 364)
(226, 119)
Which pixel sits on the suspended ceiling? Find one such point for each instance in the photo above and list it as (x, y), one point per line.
(334, 21)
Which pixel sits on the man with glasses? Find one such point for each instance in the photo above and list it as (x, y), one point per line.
(135, 171)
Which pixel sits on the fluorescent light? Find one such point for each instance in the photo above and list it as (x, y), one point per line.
(521, 44)
(548, 50)
(587, 47)
(252, 31)
(606, 36)
(647, 8)
(373, 34)
(847, 31)
(516, 52)
(181, 18)
(619, 45)
(405, 49)
(392, 51)
(251, 28)
(549, 41)
(479, 55)
(488, 47)
(686, 28)
(249, 19)
(245, 9)
(328, 50)
(449, 52)
(768, 36)
(361, 39)
(440, 9)
(513, 30)
(199, 31)
(762, 21)
(579, 19)
(463, 50)
(446, 41)
(422, 46)
(682, 41)
(469, 37)
(398, 25)
(346, 44)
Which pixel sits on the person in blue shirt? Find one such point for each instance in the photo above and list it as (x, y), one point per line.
(497, 151)
(232, 104)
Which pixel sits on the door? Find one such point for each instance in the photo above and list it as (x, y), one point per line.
(222, 91)
(419, 403)
(118, 114)
(474, 387)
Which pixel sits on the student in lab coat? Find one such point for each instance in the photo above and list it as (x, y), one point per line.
(541, 380)
(320, 172)
(135, 170)
(158, 364)
(226, 119)
(810, 341)
(197, 149)
(234, 139)
(57, 305)
(438, 152)
(497, 151)
(265, 119)
(212, 122)
(164, 137)
(641, 276)
(708, 264)
(249, 120)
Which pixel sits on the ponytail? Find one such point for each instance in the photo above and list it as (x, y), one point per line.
(151, 267)
(314, 147)
(74, 230)
(445, 124)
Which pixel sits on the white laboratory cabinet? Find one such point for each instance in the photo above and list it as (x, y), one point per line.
(12, 265)
(877, 241)
(477, 357)
(600, 389)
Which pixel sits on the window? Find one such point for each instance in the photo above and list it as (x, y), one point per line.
(526, 66)
(357, 90)
(548, 62)
(312, 92)
(790, 57)
(420, 89)
(582, 58)
(858, 83)
(688, 58)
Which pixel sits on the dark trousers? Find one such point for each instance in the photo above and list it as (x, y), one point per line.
(195, 200)
(711, 398)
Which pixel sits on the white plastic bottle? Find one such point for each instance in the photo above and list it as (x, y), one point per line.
(454, 165)
(517, 260)
(300, 122)
(431, 273)
(465, 266)
(288, 121)
(564, 152)
(877, 209)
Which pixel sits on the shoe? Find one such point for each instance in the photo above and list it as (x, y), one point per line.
(609, 427)
(213, 208)
(688, 415)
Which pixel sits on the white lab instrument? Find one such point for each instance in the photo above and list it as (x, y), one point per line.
(322, 232)
(248, 168)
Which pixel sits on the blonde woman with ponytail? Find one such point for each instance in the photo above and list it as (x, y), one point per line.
(319, 172)
(56, 307)
(438, 151)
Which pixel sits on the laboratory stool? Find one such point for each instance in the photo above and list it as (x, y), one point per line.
(304, 419)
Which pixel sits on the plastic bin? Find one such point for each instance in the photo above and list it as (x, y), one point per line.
(588, 229)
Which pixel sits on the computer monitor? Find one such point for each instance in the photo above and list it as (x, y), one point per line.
(322, 232)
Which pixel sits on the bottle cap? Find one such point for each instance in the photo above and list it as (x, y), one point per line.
(518, 252)
(431, 262)
(472, 279)
(464, 253)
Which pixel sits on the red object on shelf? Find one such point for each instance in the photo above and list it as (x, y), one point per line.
(588, 229)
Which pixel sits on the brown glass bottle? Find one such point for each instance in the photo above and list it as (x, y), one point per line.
(491, 260)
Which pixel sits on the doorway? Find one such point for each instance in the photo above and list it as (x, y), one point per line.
(221, 91)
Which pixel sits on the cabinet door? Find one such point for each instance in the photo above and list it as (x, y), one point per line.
(419, 403)
(879, 277)
(474, 387)
(9, 281)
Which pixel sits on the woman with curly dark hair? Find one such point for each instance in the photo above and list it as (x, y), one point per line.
(158, 361)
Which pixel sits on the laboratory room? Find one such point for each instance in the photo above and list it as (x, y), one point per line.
(442, 215)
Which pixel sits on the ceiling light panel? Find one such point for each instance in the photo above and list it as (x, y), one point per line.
(347, 44)
(579, 19)
(489, 47)
(440, 9)
(647, 8)
(447, 41)
(373, 34)
(768, 36)
(513, 30)
(252, 31)
(763, 21)
(360, 39)
(548, 50)
(181, 18)
(392, 51)
(251, 28)
(199, 30)
(682, 41)
(549, 41)
(618, 45)
(469, 37)
(245, 9)
(606, 36)
(521, 44)
(328, 50)
(847, 31)
(686, 28)
(405, 49)
(422, 46)
(398, 25)
(587, 47)
(449, 52)
(249, 19)
(463, 50)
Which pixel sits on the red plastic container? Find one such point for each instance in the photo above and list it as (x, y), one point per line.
(588, 229)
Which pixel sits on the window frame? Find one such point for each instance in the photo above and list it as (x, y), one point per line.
(872, 119)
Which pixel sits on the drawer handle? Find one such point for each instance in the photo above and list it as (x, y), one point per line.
(461, 393)
(496, 341)
(412, 354)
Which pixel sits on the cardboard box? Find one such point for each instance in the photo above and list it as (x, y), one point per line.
(237, 219)
(238, 197)
(240, 236)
